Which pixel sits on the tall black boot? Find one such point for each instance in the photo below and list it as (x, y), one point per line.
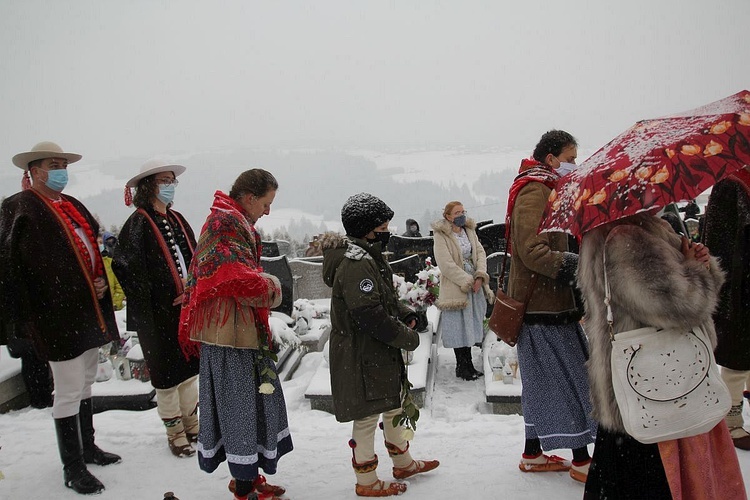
(470, 364)
(92, 454)
(463, 364)
(75, 473)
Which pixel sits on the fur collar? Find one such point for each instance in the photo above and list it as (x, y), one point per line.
(445, 227)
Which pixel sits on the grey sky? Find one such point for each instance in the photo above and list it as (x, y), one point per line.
(109, 79)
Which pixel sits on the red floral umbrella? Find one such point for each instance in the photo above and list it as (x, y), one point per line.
(654, 163)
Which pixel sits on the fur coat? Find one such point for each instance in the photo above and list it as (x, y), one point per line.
(652, 285)
(455, 283)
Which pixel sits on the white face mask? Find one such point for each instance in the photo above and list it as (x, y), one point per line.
(566, 168)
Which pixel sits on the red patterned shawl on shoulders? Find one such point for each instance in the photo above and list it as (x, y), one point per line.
(226, 265)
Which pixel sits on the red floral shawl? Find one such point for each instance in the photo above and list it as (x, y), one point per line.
(226, 264)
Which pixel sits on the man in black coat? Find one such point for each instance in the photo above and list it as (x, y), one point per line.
(727, 234)
(412, 229)
(54, 292)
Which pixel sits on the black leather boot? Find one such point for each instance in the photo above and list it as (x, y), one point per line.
(92, 454)
(75, 473)
(463, 363)
(470, 364)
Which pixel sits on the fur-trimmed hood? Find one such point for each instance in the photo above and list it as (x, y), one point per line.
(337, 247)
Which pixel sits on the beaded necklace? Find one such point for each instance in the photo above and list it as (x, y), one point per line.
(73, 219)
(170, 235)
(174, 235)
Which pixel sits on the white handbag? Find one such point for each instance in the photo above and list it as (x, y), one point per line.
(666, 381)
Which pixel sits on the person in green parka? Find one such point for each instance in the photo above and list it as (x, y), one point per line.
(369, 327)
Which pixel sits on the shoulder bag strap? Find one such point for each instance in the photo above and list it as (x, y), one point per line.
(501, 278)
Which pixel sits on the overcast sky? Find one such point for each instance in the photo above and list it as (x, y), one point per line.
(109, 79)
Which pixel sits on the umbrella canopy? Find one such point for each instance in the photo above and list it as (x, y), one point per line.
(652, 164)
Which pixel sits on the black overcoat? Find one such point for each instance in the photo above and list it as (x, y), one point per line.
(727, 236)
(45, 294)
(143, 270)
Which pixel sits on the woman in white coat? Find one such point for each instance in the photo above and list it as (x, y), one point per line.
(464, 285)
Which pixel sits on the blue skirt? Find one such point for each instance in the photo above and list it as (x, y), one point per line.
(237, 423)
(555, 395)
(465, 327)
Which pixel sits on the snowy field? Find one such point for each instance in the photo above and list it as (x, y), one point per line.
(478, 452)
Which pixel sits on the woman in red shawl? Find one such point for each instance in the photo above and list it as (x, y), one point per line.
(225, 318)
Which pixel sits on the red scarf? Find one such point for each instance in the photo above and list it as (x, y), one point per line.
(530, 171)
(73, 218)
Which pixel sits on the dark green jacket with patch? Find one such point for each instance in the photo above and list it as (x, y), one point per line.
(368, 329)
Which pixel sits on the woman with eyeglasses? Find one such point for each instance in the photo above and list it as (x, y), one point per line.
(151, 260)
(464, 285)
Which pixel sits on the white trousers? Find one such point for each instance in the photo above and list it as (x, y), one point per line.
(178, 406)
(363, 434)
(737, 381)
(73, 381)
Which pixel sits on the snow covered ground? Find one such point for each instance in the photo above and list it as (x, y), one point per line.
(478, 452)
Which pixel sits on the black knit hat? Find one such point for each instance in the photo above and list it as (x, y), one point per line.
(364, 212)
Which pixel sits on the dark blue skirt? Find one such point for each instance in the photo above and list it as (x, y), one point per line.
(237, 423)
(555, 394)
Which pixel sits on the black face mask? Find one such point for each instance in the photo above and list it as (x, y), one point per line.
(382, 236)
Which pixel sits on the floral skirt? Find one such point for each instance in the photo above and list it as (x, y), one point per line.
(237, 423)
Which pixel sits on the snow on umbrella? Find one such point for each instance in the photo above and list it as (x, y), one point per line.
(652, 164)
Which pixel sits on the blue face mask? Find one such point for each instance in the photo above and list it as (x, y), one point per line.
(57, 179)
(166, 193)
(460, 221)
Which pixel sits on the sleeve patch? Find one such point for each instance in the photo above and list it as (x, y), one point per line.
(366, 285)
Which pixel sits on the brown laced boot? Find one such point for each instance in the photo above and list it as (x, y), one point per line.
(178, 442)
(543, 463)
(412, 467)
(260, 485)
(379, 489)
(580, 470)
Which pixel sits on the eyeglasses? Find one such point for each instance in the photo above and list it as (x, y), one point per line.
(167, 182)
(459, 213)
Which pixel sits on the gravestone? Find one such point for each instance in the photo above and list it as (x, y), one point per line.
(407, 267)
(494, 267)
(279, 267)
(307, 274)
(269, 249)
(492, 237)
(285, 248)
(484, 223)
(404, 246)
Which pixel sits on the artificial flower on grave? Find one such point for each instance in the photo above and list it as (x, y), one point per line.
(424, 292)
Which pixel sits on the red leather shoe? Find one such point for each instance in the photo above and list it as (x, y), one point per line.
(416, 467)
